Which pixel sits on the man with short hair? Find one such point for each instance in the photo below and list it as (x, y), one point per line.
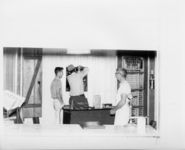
(75, 78)
(56, 94)
(121, 110)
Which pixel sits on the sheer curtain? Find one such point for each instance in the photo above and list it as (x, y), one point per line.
(101, 78)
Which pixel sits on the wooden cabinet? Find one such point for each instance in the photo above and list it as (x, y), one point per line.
(135, 77)
(139, 65)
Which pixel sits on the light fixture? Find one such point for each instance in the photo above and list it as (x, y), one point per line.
(78, 51)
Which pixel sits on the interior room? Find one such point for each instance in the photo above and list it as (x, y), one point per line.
(25, 77)
(144, 37)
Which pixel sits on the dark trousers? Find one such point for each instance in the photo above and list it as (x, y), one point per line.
(78, 102)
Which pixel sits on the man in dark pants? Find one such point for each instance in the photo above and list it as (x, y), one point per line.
(75, 78)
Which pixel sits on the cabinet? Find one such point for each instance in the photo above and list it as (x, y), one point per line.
(135, 77)
(141, 76)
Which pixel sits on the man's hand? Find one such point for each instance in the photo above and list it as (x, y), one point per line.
(81, 67)
(112, 111)
(62, 102)
(85, 71)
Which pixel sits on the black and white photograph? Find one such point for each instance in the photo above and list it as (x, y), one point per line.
(92, 74)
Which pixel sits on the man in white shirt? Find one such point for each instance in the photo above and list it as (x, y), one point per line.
(75, 78)
(121, 110)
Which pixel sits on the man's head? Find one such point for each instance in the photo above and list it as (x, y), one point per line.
(59, 72)
(71, 68)
(121, 74)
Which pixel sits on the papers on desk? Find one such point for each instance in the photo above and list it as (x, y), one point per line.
(97, 101)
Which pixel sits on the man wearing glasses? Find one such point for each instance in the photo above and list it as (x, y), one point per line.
(121, 110)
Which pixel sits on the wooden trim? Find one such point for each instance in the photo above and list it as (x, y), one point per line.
(21, 73)
(103, 52)
(32, 82)
(145, 86)
(135, 72)
(133, 90)
(16, 73)
(32, 105)
(18, 117)
(31, 53)
(140, 106)
(148, 90)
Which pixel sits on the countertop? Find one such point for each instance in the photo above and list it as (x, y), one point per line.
(27, 136)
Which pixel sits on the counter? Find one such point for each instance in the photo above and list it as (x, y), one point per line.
(73, 136)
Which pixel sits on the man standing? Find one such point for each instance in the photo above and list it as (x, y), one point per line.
(121, 110)
(75, 78)
(56, 94)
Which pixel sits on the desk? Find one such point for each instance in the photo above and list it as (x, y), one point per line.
(79, 116)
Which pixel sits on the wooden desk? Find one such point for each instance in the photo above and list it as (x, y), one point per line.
(80, 116)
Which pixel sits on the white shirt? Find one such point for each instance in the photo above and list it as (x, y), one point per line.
(122, 114)
(124, 88)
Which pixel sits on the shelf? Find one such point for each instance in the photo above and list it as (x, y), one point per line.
(140, 106)
(132, 90)
(32, 105)
(135, 72)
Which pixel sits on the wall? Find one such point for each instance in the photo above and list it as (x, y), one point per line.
(132, 24)
(101, 79)
(9, 70)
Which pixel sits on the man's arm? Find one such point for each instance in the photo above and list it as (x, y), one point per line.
(60, 93)
(120, 104)
(85, 71)
(61, 97)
